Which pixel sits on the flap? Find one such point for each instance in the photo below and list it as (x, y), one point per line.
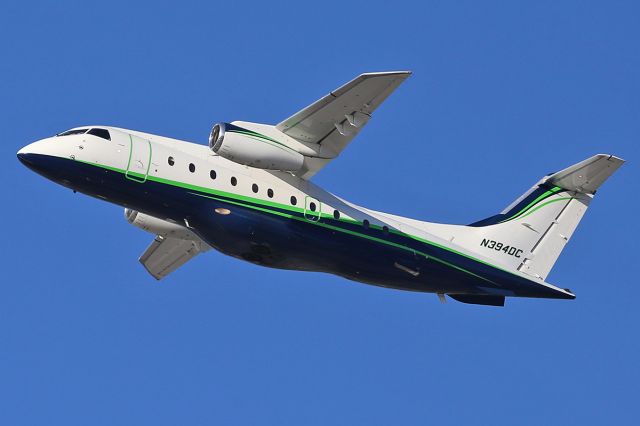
(164, 255)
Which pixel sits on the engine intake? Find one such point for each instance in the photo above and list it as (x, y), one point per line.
(216, 137)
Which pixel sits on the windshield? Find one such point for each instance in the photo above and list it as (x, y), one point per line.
(101, 133)
(73, 132)
(96, 131)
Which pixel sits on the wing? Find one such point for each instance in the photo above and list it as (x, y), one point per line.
(165, 254)
(334, 120)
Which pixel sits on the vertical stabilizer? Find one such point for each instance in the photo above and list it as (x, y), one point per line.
(530, 234)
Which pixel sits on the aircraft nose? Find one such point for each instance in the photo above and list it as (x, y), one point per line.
(23, 156)
(31, 155)
(26, 154)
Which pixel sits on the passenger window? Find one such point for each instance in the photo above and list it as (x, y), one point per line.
(234, 181)
(270, 193)
(101, 133)
(385, 229)
(312, 206)
(254, 188)
(365, 223)
(171, 161)
(336, 214)
(192, 167)
(294, 201)
(212, 174)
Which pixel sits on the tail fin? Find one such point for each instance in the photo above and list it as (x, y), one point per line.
(530, 234)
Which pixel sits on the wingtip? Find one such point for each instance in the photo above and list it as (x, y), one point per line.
(612, 157)
(381, 73)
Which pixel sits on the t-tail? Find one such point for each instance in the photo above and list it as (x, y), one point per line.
(530, 234)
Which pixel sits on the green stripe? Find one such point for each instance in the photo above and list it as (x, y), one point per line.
(262, 138)
(241, 200)
(544, 204)
(353, 233)
(547, 194)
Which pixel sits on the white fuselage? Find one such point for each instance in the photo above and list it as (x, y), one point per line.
(272, 218)
(284, 186)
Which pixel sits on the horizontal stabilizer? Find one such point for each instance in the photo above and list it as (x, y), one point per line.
(586, 176)
(473, 299)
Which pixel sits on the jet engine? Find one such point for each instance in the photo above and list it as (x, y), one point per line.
(253, 149)
(157, 226)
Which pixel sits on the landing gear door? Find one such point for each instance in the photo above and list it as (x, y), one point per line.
(312, 209)
(139, 159)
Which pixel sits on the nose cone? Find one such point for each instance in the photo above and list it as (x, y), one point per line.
(35, 155)
(24, 159)
(25, 155)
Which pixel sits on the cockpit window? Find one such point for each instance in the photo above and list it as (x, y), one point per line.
(101, 133)
(73, 132)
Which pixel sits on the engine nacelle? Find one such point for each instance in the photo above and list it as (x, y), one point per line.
(253, 149)
(157, 226)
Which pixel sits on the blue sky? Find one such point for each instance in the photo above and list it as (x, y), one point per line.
(502, 93)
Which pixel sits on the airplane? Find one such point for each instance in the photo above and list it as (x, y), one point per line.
(248, 194)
